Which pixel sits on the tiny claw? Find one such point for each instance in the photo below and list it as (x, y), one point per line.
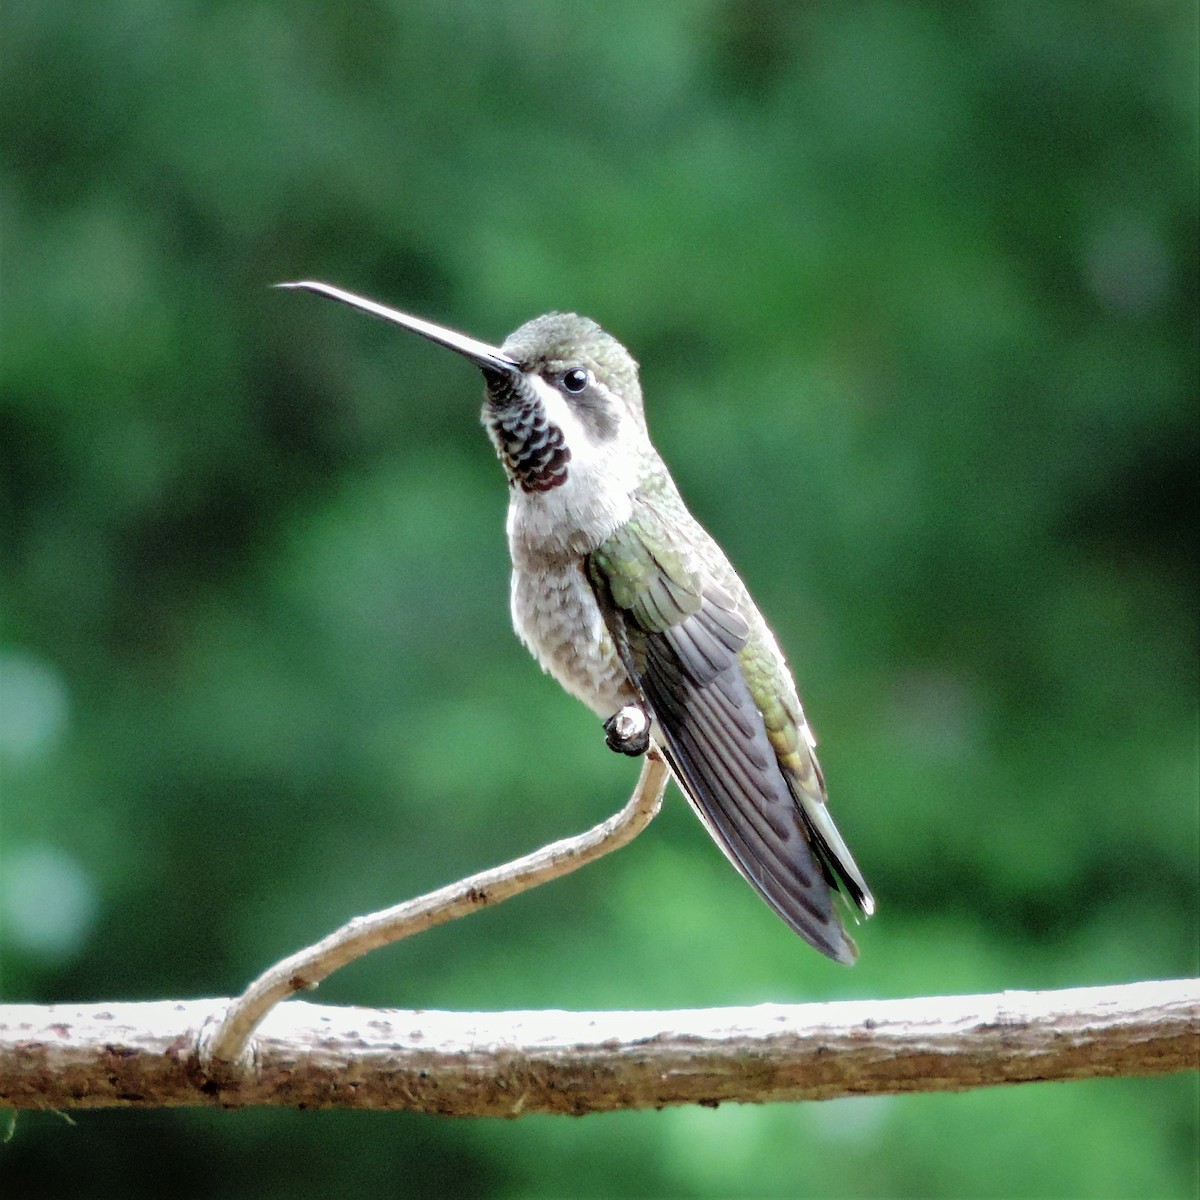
(627, 731)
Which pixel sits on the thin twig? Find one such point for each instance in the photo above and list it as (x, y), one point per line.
(224, 1051)
(505, 1064)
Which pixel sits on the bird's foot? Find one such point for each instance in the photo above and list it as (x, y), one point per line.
(627, 731)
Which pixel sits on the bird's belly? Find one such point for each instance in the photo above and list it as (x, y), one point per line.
(556, 615)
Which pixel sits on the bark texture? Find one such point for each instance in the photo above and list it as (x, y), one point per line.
(505, 1064)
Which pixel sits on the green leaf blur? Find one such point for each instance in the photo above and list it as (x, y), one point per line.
(915, 292)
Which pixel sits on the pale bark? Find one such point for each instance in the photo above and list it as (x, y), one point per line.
(225, 1044)
(505, 1064)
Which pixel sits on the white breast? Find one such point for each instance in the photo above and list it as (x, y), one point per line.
(556, 615)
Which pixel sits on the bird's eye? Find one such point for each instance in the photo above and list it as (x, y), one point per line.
(575, 380)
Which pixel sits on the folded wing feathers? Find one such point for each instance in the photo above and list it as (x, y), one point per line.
(717, 744)
(680, 636)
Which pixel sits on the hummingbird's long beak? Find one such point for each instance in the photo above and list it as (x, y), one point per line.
(486, 357)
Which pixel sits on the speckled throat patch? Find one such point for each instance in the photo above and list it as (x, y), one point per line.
(530, 446)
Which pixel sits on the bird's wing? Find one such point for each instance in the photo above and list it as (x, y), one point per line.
(687, 648)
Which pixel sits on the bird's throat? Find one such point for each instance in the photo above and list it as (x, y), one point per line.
(531, 447)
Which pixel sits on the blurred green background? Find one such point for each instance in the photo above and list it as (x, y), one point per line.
(914, 287)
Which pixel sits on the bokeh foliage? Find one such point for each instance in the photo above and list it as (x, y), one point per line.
(914, 287)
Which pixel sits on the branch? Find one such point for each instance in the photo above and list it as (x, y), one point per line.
(224, 1048)
(505, 1064)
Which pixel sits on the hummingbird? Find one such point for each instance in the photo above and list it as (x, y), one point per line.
(624, 598)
